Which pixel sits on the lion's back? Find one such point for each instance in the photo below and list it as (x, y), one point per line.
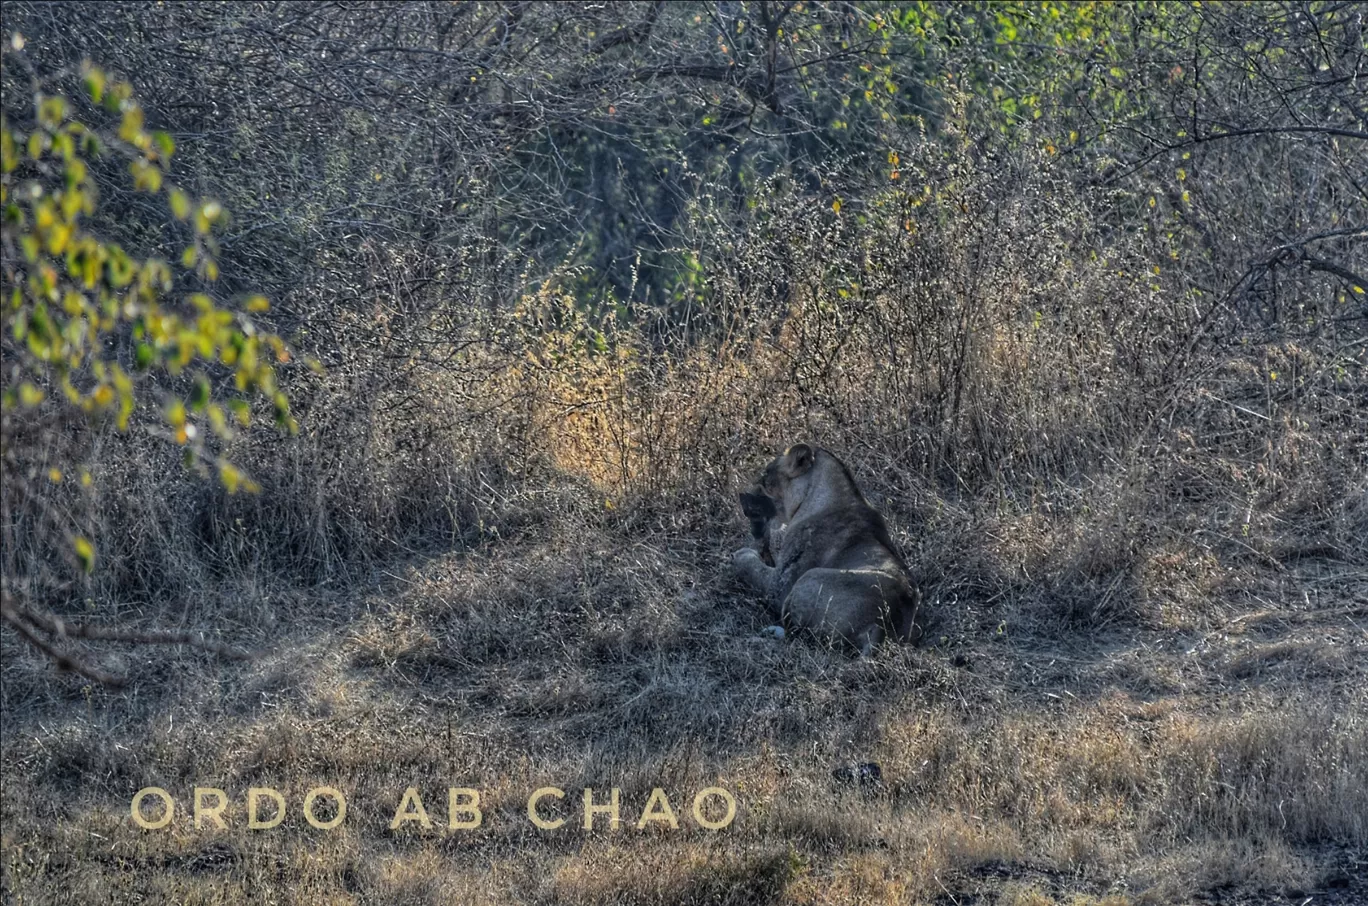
(853, 536)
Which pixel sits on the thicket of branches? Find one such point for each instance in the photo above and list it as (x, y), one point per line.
(987, 247)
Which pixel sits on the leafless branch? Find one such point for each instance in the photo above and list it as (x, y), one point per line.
(24, 621)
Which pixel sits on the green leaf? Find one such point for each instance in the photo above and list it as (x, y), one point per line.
(146, 178)
(166, 146)
(85, 552)
(175, 414)
(121, 269)
(199, 395)
(219, 422)
(51, 111)
(94, 84)
(74, 293)
(9, 151)
(230, 476)
(130, 128)
(180, 207)
(282, 410)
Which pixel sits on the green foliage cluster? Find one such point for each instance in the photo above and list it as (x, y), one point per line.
(85, 323)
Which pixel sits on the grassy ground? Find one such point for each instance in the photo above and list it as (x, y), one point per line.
(1215, 749)
(509, 568)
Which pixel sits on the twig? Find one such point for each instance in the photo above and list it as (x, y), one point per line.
(629, 34)
(1236, 133)
(25, 621)
(61, 628)
(1210, 395)
(63, 660)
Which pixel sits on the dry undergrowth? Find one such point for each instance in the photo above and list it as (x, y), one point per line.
(1148, 676)
(1039, 754)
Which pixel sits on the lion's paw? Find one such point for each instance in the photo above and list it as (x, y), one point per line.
(742, 559)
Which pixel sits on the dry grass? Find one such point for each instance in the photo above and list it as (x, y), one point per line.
(1148, 677)
(1029, 763)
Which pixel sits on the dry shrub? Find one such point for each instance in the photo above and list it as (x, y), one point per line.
(996, 363)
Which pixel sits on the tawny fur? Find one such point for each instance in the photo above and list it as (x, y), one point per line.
(835, 569)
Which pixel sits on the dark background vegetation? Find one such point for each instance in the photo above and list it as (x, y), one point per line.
(1077, 290)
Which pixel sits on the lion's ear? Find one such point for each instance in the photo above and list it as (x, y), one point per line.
(797, 460)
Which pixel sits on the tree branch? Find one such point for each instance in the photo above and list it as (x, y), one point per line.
(629, 34)
(1330, 267)
(1237, 133)
(64, 661)
(24, 621)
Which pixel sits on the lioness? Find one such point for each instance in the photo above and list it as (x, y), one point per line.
(835, 569)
